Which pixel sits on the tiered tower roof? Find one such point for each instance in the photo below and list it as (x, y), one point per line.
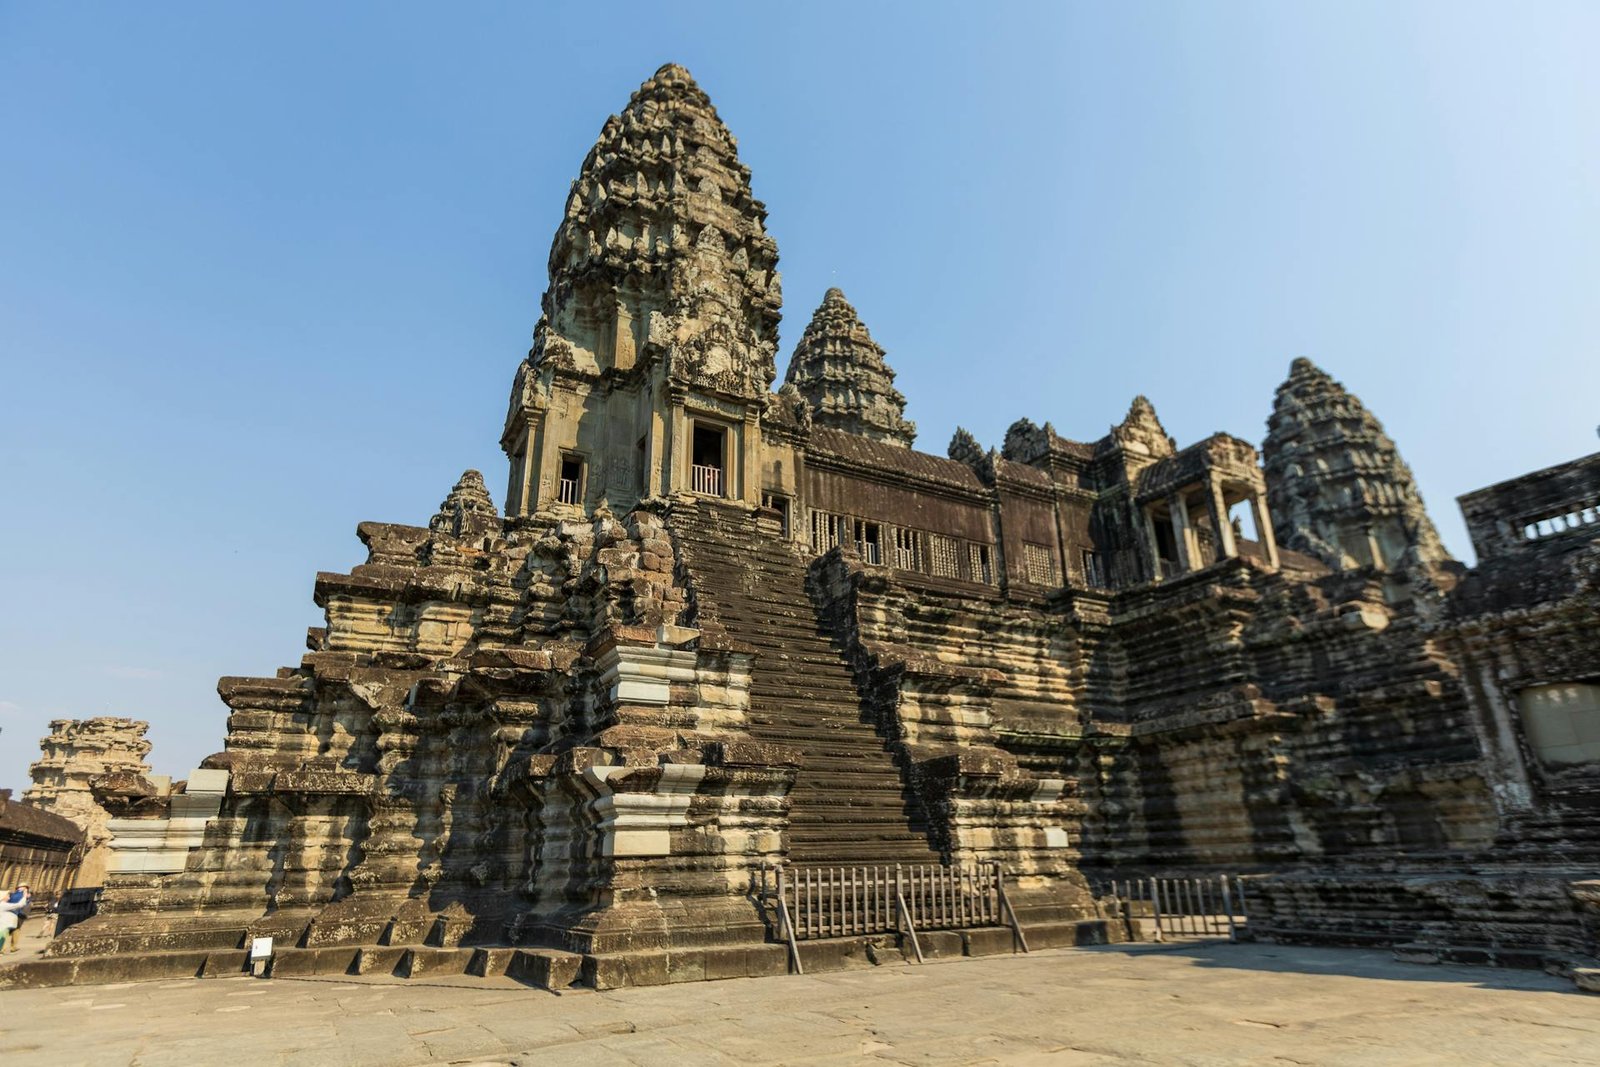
(841, 372)
(663, 243)
(468, 510)
(1336, 483)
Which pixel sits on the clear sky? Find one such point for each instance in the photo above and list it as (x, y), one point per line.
(266, 270)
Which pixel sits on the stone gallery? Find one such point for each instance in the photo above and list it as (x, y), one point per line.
(738, 669)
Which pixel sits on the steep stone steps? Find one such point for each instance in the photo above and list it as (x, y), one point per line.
(849, 803)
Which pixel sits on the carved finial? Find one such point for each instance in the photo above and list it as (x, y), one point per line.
(672, 70)
(964, 448)
(468, 510)
(1140, 431)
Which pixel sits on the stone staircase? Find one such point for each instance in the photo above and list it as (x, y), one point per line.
(849, 803)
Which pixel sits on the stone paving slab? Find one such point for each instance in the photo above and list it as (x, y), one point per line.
(1199, 1004)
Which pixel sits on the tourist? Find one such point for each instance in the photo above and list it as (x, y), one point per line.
(13, 910)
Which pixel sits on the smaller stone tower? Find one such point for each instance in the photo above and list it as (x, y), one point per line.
(77, 754)
(468, 510)
(840, 371)
(1337, 486)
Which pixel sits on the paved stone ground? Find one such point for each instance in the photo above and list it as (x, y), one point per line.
(1210, 1003)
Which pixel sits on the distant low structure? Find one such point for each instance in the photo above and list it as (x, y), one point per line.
(38, 849)
(740, 672)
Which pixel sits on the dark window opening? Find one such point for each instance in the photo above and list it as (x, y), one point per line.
(869, 541)
(978, 563)
(706, 460)
(780, 504)
(570, 488)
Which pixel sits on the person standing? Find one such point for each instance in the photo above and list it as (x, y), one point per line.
(13, 910)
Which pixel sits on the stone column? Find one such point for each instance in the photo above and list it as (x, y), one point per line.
(1150, 540)
(1263, 520)
(1218, 507)
(749, 460)
(1181, 532)
(678, 449)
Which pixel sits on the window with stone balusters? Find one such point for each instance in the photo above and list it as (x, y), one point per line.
(1038, 566)
(824, 531)
(944, 561)
(979, 569)
(907, 549)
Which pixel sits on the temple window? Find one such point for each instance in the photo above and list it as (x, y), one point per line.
(1562, 722)
(780, 504)
(707, 460)
(1243, 519)
(569, 489)
(1573, 518)
(979, 567)
(1093, 570)
(943, 559)
(1038, 566)
(1166, 547)
(824, 531)
(907, 549)
(869, 541)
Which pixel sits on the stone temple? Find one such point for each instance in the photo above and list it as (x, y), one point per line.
(720, 628)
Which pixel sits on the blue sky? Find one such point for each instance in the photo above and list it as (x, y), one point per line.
(267, 270)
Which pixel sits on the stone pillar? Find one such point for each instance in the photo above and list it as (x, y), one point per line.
(1150, 540)
(678, 473)
(1263, 520)
(1182, 533)
(749, 460)
(1227, 548)
(532, 458)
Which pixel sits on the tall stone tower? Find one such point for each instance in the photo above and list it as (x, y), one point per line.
(1337, 486)
(840, 370)
(655, 353)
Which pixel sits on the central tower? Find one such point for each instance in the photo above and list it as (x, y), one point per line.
(653, 358)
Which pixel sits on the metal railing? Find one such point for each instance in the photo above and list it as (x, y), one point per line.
(1181, 906)
(707, 480)
(813, 903)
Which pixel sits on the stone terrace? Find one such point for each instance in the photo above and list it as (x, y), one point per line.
(1206, 1003)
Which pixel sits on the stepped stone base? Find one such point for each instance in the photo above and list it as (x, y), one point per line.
(556, 969)
(1526, 918)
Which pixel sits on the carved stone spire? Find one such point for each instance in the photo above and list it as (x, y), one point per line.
(1336, 484)
(840, 370)
(663, 252)
(468, 511)
(1140, 432)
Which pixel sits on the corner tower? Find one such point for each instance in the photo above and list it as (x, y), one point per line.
(655, 351)
(1336, 483)
(840, 370)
